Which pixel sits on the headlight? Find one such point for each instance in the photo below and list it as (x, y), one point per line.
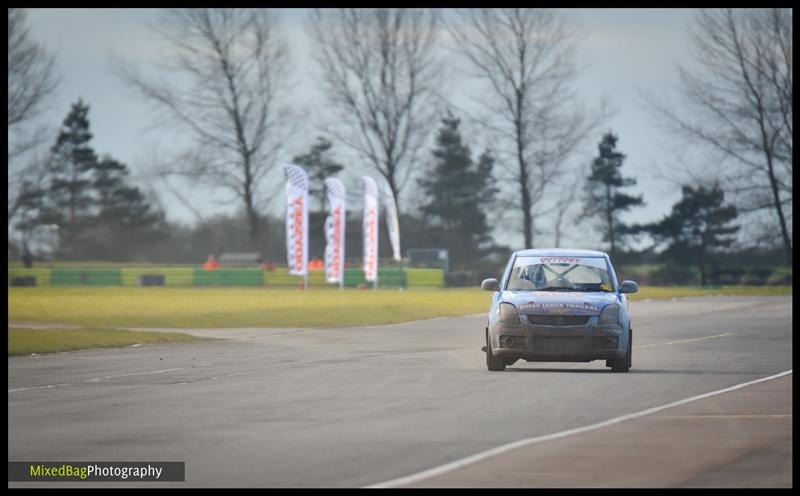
(609, 315)
(507, 313)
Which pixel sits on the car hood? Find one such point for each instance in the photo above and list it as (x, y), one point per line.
(558, 303)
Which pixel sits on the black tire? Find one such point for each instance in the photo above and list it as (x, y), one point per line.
(493, 363)
(624, 364)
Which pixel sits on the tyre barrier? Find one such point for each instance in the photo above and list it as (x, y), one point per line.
(196, 276)
(24, 281)
(151, 280)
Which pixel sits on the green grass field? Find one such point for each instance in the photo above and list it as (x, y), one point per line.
(261, 307)
(27, 341)
(236, 307)
(655, 292)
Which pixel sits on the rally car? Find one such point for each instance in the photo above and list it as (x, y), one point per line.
(559, 306)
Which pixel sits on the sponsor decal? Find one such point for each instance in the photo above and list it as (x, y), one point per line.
(370, 228)
(335, 231)
(335, 267)
(297, 234)
(370, 264)
(538, 308)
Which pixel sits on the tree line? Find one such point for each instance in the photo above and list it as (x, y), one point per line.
(101, 215)
(381, 73)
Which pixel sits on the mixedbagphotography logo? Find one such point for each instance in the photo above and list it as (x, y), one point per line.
(96, 471)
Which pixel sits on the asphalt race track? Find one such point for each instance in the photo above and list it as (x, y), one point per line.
(364, 406)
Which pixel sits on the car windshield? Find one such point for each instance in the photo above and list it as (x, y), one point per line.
(560, 274)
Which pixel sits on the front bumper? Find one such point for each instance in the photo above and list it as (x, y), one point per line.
(558, 343)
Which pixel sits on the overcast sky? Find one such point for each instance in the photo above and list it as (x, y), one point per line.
(623, 52)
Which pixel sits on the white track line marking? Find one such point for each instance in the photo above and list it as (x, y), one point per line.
(701, 416)
(483, 455)
(682, 341)
(238, 374)
(96, 379)
(38, 387)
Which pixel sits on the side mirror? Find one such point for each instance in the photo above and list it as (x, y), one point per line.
(629, 287)
(490, 285)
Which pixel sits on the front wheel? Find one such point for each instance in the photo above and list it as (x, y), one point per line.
(493, 363)
(624, 364)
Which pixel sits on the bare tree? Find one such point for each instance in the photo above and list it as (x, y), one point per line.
(32, 80)
(380, 72)
(31, 73)
(233, 64)
(740, 105)
(563, 206)
(526, 59)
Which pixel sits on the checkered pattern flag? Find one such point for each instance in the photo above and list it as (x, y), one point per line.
(296, 176)
(334, 189)
(370, 187)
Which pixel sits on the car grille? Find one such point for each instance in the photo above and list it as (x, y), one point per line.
(605, 342)
(562, 344)
(559, 320)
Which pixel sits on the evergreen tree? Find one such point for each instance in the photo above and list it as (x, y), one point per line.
(319, 165)
(604, 201)
(459, 191)
(124, 220)
(68, 199)
(117, 200)
(100, 215)
(30, 201)
(698, 224)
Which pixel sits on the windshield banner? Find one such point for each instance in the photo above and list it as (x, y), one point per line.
(296, 219)
(334, 231)
(598, 262)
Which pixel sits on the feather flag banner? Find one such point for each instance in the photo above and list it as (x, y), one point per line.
(334, 231)
(392, 222)
(297, 219)
(370, 229)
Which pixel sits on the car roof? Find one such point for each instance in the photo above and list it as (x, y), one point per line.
(559, 252)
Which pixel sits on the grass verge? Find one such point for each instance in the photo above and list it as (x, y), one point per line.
(656, 292)
(27, 341)
(262, 307)
(237, 307)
